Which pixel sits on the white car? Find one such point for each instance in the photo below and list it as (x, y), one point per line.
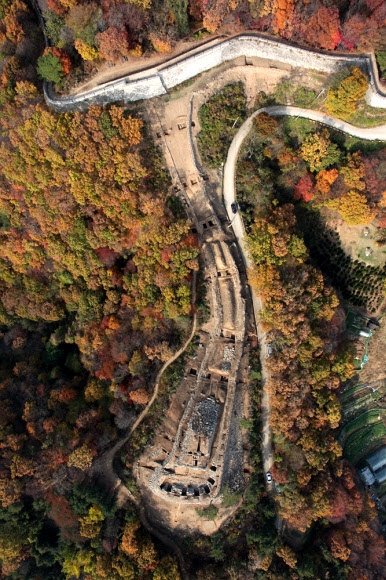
(268, 475)
(269, 349)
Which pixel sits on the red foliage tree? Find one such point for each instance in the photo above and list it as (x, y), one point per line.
(283, 14)
(64, 59)
(108, 367)
(106, 256)
(374, 185)
(304, 189)
(382, 220)
(353, 30)
(191, 240)
(338, 545)
(378, 8)
(339, 506)
(322, 30)
(279, 475)
(63, 515)
(67, 394)
(55, 6)
(139, 396)
(196, 9)
(361, 32)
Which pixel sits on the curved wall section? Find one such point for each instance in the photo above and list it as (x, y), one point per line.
(154, 82)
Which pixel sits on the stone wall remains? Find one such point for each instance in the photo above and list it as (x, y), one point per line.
(182, 68)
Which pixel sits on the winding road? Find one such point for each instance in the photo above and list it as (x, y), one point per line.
(371, 133)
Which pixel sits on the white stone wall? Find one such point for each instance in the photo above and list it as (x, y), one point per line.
(176, 74)
(172, 74)
(122, 90)
(146, 88)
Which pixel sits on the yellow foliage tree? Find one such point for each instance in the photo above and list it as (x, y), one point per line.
(26, 89)
(135, 365)
(91, 524)
(86, 51)
(161, 44)
(318, 151)
(68, 3)
(353, 208)
(287, 555)
(129, 543)
(13, 544)
(94, 391)
(81, 458)
(167, 570)
(145, 4)
(354, 172)
(342, 102)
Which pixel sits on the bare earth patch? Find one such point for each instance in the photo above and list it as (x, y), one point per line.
(358, 241)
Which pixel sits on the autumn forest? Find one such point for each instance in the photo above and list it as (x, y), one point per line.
(97, 264)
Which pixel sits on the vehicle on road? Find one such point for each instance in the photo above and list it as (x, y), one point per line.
(234, 207)
(269, 349)
(268, 475)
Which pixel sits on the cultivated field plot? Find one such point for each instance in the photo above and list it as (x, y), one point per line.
(364, 441)
(364, 420)
(357, 400)
(364, 430)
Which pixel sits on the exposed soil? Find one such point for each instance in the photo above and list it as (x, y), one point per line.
(374, 372)
(356, 239)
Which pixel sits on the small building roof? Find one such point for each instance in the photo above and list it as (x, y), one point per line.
(366, 476)
(380, 475)
(377, 460)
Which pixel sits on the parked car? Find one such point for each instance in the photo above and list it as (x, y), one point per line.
(268, 475)
(234, 207)
(269, 349)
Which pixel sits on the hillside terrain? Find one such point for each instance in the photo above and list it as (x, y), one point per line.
(154, 367)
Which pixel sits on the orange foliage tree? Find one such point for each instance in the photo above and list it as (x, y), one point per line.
(113, 43)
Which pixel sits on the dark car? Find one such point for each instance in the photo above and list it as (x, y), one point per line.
(234, 207)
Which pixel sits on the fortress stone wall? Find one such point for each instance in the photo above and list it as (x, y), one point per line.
(157, 81)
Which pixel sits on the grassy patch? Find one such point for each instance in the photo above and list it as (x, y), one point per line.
(367, 116)
(229, 498)
(209, 513)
